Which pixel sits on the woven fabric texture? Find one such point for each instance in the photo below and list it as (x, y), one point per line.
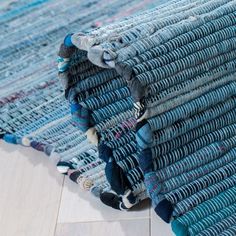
(155, 93)
(33, 109)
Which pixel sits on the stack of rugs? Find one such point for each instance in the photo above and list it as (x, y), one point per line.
(153, 109)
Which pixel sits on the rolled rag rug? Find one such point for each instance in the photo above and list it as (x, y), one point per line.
(179, 63)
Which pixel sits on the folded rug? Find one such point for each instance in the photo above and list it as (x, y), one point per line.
(168, 74)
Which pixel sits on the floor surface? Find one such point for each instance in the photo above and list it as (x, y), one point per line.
(35, 200)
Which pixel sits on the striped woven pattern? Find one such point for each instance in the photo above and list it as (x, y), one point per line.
(33, 108)
(151, 97)
(156, 93)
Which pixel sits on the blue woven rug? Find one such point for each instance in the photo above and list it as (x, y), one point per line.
(33, 108)
(151, 101)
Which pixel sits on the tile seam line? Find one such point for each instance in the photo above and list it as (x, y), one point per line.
(100, 221)
(59, 206)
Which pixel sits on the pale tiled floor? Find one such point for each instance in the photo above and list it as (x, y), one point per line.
(35, 200)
